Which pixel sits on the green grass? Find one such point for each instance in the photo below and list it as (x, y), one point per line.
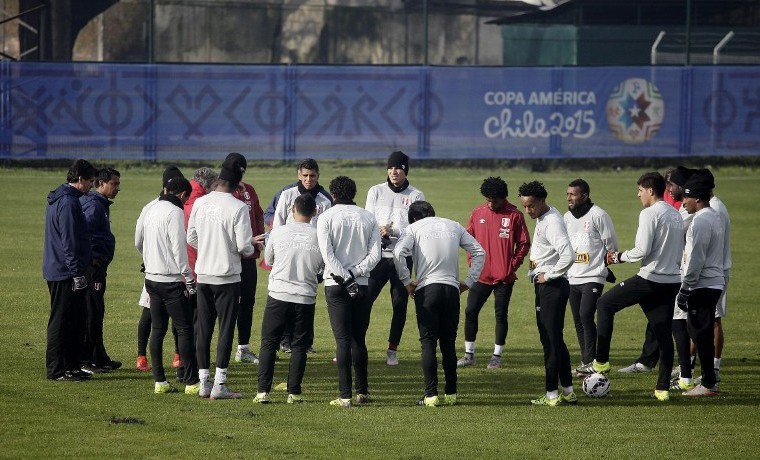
(47, 419)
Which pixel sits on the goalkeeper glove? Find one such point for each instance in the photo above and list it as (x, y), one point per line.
(613, 258)
(80, 282)
(190, 287)
(682, 299)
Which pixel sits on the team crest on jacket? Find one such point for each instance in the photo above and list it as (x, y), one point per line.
(505, 222)
(587, 225)
(405, 201)
(504, 230)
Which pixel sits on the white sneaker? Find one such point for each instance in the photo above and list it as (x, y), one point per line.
(392, 359)
(261, 398)
(205, 389)
(635, 368)
(466, 360)
(495, 362)
(246, 356)
(223, 392)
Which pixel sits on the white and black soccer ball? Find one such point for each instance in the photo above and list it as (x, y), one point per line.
(596, 385)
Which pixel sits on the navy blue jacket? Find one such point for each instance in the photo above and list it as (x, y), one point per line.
(66, 252)
(95, 207)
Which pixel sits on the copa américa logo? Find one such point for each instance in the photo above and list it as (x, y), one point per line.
(635, 111)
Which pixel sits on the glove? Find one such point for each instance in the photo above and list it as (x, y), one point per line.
(95, 274)
(190, 287)
(142, 268)
(612, 258)
(80, 283)
(320, 278)
(352, 287)
(385, 242)
(611, 278)
(682, 299)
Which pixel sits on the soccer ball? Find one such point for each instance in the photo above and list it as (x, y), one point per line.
(596, 385)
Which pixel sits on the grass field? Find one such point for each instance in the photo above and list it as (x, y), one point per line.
(495, 419)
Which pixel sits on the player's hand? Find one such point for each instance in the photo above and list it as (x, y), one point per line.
(352, 287)
(682, 299)
(540, 278)
(411, 288)
(612, 258)
(463, 287)
(80, 283)
(386, 231)
(260, 241)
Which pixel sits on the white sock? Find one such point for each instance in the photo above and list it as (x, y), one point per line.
(716, 363)
(497, 349)
(552, 394)
(203, 374)
(567, 390)
(220, 378)
(247, 346)
(469, 347)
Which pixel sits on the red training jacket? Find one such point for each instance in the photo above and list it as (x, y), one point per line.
(247, 195)
(197, 192)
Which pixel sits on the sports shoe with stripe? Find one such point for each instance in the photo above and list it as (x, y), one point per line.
(545, 401)
(246, 356)
(700, 390)
(467, 360)
(222, 391)
(295, 399)
(205, 388)
(661, 395)
(635, 368)
(263, 398)
(142, 363)
(193, 389)
(584, 370)
(568, 398)
(391, 358)
(449, 400)
(430, 401)
(163, 387)
(601, 368)
(362, 399)
(495, 362)
(340, 402)
(679, 384)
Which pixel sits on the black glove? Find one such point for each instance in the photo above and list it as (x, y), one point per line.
(142, 268)
(352, 287)
(385, 242)
(682, 299)
(190, 287)
(320, 278)
(611, 278)
(80, 283)
(338, 279)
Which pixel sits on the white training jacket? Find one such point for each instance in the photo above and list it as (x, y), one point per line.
(659, 244)
(391, 208)
(283, 213)
(293, 253)
(349, 239)
(551, 252)
(591, 237)
(162, 243)
(433, 243)
(220, 229)
(702, 265)
(718, 205)
(140, 218)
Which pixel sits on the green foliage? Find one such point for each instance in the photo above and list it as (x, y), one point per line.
(117, 415)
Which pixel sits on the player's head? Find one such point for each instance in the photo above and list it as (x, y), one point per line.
(238, 159)
(578, 193)
(170, 172)
(676, 181)
(420, 210)
(308, 173)
(697, 191)
(81, 175)
(305, 206)
(533, 198)
(651, 187)
(230, 175)
(205, 177)
(108, 182)
(398, 168)
(343, 188)
(494, 190)
(179, 187)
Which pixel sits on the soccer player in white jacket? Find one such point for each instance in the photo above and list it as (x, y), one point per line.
(220, 228)
(551, 256)
(702, 275)
(659, 247)
(349, 240)
(161, 240)
(433, 244)
(293, 254)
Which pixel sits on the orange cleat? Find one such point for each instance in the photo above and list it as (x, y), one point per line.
(142, 363)
(177, 361)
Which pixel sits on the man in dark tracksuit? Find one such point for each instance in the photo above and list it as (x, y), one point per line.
(64, 262)
(95, 207)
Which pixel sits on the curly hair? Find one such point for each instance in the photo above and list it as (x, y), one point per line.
(494, 187)
(205, 177)
(535, 189)
(343, 188)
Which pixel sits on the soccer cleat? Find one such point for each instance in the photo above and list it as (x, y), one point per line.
(285, 348)
(111, 366)
(495, 362)
(177, 362)
(700, 390)
(392, 358)
(221, 391)
(281, 386)
(634, 368)
(142, 363)
(310, 351)
(205, 389)
(680, 384)
(362, 399)
(93, 369)
(675, 373)
(568, 398)
(661, 395)
(600, 368)
(430, 401)
(68, 377)
(263, 398)
(467, 360)
(193, 389)
(246, 356)
(164, 387)
(295, 399)
(340, 402)
(545, 401)
(82, 375)
(584, 370)
(449, 400)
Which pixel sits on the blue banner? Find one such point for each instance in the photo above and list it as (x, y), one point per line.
(173, 112)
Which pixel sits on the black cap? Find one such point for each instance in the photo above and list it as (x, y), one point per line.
(231, 171)
(699, 185)
(399, 159)
(170, 172)
(239, 159)
(680, 175)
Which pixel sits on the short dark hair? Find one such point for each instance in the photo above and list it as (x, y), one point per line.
(581, 184)
(105, 175)
(535, 189)
(494, 187)
(343, 188)
(305, 204)
(308, 163)
(420, 210)
(178, 185)
(80, 168)
(653, 180)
